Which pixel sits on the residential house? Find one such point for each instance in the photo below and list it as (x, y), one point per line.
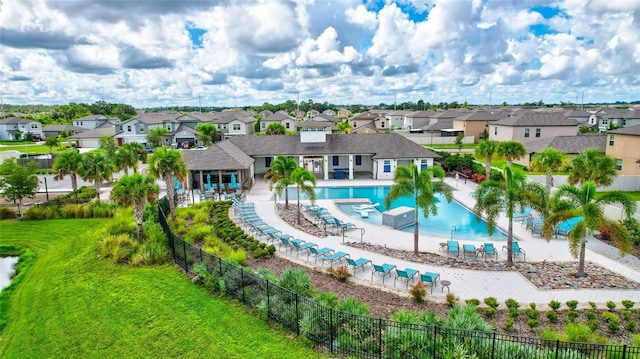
(312, 113)
(418, 119)
(65, 130)
(368, 123)
(608, 118)
(329, 112)
(397, 118)
(14, 128)
(264, 114)
(90, 122)
(298, 114)
(91, 138)
(570, 145)
(475, 123)
(526, 126)
(234, 123)
(623, 145)
(280, 117)
(137, 128)
(343, 113)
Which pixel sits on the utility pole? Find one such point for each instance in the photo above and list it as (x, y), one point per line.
(199, 104)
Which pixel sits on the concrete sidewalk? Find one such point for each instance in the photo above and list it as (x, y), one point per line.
(465, 283)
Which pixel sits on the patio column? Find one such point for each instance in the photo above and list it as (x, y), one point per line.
(301, 161)
(350, 167)
(201, 181)
(220, 180)
(325, 167)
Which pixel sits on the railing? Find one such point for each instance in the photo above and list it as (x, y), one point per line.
(358, 336)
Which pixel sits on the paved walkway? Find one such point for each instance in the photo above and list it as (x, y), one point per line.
(465, 283)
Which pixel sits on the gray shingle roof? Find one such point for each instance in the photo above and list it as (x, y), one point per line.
(153, 118)
(380, 146)
(278, 116)
(221, 156)
(230, 116)
(539, 119)
(9, 120)
(441, 124)
(484, 115)
(569, 144)
(106, 129)
(632, 130)
(60, 128)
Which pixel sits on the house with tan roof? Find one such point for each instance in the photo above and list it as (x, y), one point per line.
(623, 145)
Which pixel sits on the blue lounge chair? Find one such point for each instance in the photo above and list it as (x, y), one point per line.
(469, 249)
(515, 247)
(316, 253)
(489, 250)
(522, 214)
(337, 256)
(431, 278)
(382, 271)
(405, 276)
(536, 229)
(358, 263)
(345, 226)
(453, 248)
(301, 246)
(528, 222)
(562, 230)
(284, 242)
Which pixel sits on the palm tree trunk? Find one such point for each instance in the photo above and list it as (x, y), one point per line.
(74, 186)
(98, 190)
(286, 198)
(487, 168)
(581, 272)
(170, 194)
(510, 243)
(548, 185)
(415, 231)
(298, 206)
(138, 214)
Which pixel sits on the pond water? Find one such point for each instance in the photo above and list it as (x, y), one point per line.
(7, 268)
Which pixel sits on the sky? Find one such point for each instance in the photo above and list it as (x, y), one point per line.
(151, 53)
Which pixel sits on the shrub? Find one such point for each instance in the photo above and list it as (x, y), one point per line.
(612, 320)
(327, 299)
(552, 316)
(626, 314)
(532, 313)
(508, 323)
(555, 305)
(491, 302)
(353, 306)
(593, 305)
(572, 304)
(630, 326)
(341, 273)
(593, 324)
(636, 340)
(581, 333)
(572, 315)
(238, 256)
(490, 312)
(7, 213)
(418, 291)
(259, 253)
(474, 302)
(297, 281)
(532, 323)
(512, 303)
(451, 299)
(605, 233)
(590, 314)
(513, 312)
(611, 305)
(628, 304)
(118, 249)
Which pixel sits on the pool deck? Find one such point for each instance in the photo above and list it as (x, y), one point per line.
(465, 283)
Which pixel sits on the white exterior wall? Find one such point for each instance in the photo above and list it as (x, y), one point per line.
(379, 168)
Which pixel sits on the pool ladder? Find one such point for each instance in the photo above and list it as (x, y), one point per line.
(453, 229)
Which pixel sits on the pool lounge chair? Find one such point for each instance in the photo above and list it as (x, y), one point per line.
(453, 248)
(358, 263)
(431, 278)
(515, 247)
(337, 256)
(382, 271)
(316, 253)
(489, 250)
(344, 225)
(528, 222)
(522, 214)
(284, 242)
(536, 229)
(301, 246)
(469, 249)
(405, 276)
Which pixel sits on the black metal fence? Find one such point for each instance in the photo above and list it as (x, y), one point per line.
(347, 334)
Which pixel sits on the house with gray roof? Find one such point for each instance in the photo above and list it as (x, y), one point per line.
(90, 122)
(14, 128)
(476, 122)
(281, 117)
(137, 128)
(234, 123)
(608, 118)
(56, 130)
(526, 126)
(570, 145)
(91, 138)
(396, 118)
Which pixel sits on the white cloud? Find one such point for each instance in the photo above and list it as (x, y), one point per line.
(325, 50)
(361, 16)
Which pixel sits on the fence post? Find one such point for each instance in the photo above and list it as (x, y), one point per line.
(379, 337)
(297, 316)
(624, 351)
(267, 300)
(557, 347)
(331, 330)
(186, 262)
(493, 346)
(435, 339)
(200, 254)
(244, 298)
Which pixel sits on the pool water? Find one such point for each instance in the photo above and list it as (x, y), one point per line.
(453, 219)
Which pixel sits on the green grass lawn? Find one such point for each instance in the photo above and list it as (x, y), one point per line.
(29, 147)
(73, 305)
(451, 145)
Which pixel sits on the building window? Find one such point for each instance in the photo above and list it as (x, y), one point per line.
(168, 127)
(624, 122)
(537, 132)
(262, 125)
(336, 160)
(236, 127)
(605, 121)
(267, 161)
(355, 124)
(128, 128)
(381, 124)
(358, 160)
(618, 164)
(424, 164)
(287, 125)
(34, 125)
(495, 131)
(141, 128)
(612, 140)
(387, 166)
(526, 132)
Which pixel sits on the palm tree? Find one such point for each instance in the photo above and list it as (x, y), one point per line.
(123, 159)
(135, 190)
(301, 178)
(166, 163)
(511, 150)
(571, 202)
(155, 136)
(485, 151)
(411, 182)
(281, 168)
(344, 127)
(108, 144)
(276, 128)
(96, 167)
(207, 133)
(68, 163)
(592, 165)
(138, 151)
(515, 193)
(548, 160)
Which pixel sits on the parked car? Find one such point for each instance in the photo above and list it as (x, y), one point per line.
(199, 148)
(149, 149)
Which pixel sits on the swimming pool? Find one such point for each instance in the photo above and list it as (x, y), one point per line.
(451, 216)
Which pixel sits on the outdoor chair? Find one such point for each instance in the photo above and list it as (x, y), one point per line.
(562, 230)
(316, 253)
(358, 263)
(536, 229)
(469, 249)
(528, 222)
(405, 276)
(522, 214)
(284, 242)
(515, 247)
(453, 248)
(431, 278)
(344, 225)
(489, 250)
(301, 245)
(337, 256)
(382, 271)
